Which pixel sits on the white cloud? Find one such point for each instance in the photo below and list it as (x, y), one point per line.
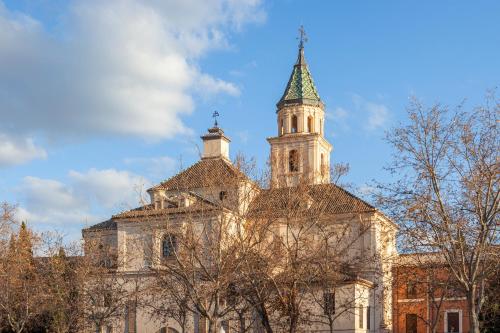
(15, 151)
(340, 120)
(109, 188)
(244, 136)
(376, 114)
(121, 67)
(156, 167)
(366, 190)
(86, 198)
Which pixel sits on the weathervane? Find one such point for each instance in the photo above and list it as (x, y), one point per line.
(302, 36)
(215, 115)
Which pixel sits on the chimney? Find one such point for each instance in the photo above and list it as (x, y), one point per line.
(215, 144)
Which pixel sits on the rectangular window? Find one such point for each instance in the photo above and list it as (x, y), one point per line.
(368, 317)
(169, 246)
(452, 322)
(361, 316)
(411, 323)
(329, 303)
(411, 289)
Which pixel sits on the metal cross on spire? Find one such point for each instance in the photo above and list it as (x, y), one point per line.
(215, 115)
(302, 37)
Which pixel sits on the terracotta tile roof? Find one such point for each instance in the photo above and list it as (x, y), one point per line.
(205, 173)
(106, 225)
(419, 259)
(149, 211)
(321, 198)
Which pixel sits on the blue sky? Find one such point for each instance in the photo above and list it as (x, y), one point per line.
(99, 99)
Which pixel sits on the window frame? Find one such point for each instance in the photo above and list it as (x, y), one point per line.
(411, 290)
(294, 128)
(310, 124)
(413, 315)
(361, 316)
(368, 315)
(293, 160)
(172, 240)
(460, 319)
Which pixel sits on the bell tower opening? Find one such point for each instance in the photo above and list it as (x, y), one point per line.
(293, 161)
(294, 124)
(310, 124)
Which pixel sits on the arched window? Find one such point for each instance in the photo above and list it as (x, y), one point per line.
(293, 161)
(310, 124)
(282, 126)
(168, 246)
(294, 124)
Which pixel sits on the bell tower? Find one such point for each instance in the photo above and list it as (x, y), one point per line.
(300, 152)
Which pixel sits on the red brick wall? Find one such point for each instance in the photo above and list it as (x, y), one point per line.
(428, 283)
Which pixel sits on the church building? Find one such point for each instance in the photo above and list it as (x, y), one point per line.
(299, 156)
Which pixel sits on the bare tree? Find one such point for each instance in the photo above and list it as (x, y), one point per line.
(7, 222)
(22, 296)
(301, 251)
(106, 295)
(167, 299)
(62, 283)
(334, 268)
(194, 242)
(447, 195)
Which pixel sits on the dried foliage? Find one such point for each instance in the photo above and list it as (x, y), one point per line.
(447, 195)
(240, 263)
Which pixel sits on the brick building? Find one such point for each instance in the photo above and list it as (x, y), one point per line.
(425, 296)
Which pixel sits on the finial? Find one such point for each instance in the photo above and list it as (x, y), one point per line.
(302, 37)
(215, 115)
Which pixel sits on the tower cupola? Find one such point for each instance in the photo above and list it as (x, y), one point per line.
(300, 152)
(215, 142)
(300, 89)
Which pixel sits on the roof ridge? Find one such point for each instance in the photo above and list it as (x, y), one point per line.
(352, 195)
(216, 169)
(173, 176)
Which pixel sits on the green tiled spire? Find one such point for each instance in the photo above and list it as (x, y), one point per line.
(300, 88)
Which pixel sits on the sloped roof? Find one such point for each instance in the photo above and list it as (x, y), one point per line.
(150, 211)
(106, 225)
(321, 198)
(207, 172)
(415, 259)
(300, 88)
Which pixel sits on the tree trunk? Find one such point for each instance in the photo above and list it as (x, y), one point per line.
(242, 323)
(293, 324)
(212, 326)
(473, 317)
(264, 319)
